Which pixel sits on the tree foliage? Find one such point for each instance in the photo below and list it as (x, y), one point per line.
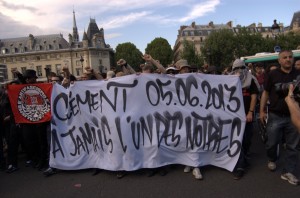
(288, 41)
(219, 48)
(223, 46)
(161, 50)
(130, 53)
(190, 54)
(249, 43)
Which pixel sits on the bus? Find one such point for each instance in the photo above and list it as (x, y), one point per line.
(267, 58)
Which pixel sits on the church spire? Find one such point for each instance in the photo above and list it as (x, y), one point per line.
(75, 30)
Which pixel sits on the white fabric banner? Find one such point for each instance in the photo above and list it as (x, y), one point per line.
(147, 121)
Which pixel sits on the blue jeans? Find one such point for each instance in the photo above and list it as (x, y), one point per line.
(277, 126)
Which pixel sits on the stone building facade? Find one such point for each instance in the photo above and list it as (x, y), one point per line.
(45, 53)
(198, 33)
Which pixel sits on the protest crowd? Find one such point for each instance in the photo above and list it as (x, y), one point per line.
(262, 103)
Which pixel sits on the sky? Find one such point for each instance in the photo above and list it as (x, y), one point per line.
(136, 21)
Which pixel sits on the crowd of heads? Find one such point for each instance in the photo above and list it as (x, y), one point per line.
(238, 67)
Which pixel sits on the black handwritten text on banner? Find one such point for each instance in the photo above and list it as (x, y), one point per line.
(146, 121)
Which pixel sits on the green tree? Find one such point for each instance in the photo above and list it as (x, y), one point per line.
(289, 41)
(219, 48)
(249, 43)
(161, 50)
(130, 53)
(190, 54)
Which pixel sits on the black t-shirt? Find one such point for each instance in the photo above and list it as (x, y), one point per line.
(247, 92)
(276, 99)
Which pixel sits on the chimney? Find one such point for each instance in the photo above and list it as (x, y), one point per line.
(253, 25)
(229, 24)
(193, 24)
(30, 42)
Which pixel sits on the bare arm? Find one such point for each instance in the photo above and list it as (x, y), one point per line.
(96, 74)
(294, 108)
(19, 75)
(129, 69)
(126, 68)
(66, 81)
(263, 103)
(149, 58)
(250, 114)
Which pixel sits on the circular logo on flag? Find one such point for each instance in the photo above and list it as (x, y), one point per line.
(33, 103)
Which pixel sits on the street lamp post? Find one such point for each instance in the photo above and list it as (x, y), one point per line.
(81, 60)
(275, 32)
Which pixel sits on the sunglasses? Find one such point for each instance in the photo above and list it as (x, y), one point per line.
(236, 68)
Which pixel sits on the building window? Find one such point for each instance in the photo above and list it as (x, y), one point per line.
(78, 71)
(58, 68)
(3, 74)
(100, 61)
(14, 74)
(48, 67)
(23, 69)
(39, 71)
(3, 51)
(38, 58)
(37, 48)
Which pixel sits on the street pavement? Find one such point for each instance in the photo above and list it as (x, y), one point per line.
(258, 182)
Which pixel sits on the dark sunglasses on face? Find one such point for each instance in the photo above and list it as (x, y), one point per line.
(236, 68)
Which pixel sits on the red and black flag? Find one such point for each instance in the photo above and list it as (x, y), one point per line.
(30, 103)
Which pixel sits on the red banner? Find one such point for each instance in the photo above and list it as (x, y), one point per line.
(30, 103)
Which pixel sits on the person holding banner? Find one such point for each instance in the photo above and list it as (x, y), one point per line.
(14, 132)
(184, 67)
(250, 91)
(34, 134)
(279, 121)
